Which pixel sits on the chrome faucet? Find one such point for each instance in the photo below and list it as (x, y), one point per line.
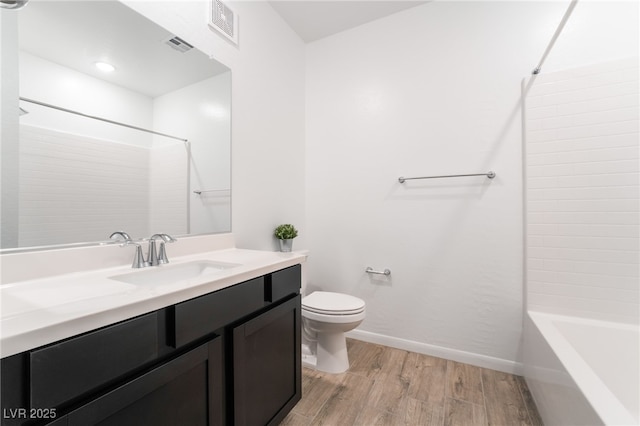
(157, 259)
(153, 259)
(138, 259)
(122, 234)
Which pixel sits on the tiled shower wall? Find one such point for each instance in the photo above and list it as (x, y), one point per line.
(75, 188)
(168, 190)
(582, 192)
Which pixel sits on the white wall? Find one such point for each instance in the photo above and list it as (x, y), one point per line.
(267, 112)
(432, 90)
(48, 82)
(582, 190)
(9, 130)
(598, 31)
(201, 113)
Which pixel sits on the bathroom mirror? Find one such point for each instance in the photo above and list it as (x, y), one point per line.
(122, 126)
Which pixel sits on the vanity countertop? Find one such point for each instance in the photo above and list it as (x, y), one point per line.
(41, 311)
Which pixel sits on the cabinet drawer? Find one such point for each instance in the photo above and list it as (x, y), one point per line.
(284, 283)
(66, 370)
(203, 315)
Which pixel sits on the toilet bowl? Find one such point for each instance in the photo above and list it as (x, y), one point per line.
(326, 316)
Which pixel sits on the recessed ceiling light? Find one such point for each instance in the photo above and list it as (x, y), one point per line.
(105, 67)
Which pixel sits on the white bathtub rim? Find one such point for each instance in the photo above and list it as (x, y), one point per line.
(608, 407)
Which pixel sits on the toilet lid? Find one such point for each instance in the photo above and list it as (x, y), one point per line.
(329, 303)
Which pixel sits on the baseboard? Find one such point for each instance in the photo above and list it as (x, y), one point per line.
(479, 360)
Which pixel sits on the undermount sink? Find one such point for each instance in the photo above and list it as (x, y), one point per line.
(169, 274)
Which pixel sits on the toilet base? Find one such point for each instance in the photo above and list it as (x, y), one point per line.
(332, 356)
(309, 360)
(328, 355)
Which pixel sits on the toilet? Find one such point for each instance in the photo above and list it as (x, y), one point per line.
(326, 317)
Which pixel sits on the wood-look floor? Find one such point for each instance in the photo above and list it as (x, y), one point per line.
(387, 386)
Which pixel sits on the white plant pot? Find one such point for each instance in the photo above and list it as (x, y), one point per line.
(286, 245)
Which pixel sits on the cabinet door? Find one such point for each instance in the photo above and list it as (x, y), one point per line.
(267, 365)
(186, 390)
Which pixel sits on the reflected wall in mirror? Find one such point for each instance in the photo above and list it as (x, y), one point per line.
(80, 178)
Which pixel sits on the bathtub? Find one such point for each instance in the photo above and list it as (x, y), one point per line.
(582, 372)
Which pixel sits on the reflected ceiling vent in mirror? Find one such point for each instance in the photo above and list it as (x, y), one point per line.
(179, 44)
(224, 20)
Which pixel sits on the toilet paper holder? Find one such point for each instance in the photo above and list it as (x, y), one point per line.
(370, 270)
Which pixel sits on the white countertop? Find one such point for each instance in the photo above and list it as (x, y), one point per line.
(41, 311)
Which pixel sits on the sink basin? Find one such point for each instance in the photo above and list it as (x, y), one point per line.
(170, 274)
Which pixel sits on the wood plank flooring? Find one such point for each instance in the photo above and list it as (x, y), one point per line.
(387, 386)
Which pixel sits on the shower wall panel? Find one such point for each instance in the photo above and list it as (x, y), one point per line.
(582, 192)
(75, 188)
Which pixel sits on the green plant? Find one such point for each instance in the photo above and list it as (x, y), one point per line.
(285, 232)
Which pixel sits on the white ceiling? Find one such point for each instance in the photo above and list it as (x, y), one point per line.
(315, 19)
(76, 34)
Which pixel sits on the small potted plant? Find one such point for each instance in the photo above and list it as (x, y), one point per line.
(285, 234)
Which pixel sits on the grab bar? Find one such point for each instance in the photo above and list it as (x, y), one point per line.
(370, 270)
(489, 174)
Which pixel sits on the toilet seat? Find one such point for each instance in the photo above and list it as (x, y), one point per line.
(330, 303)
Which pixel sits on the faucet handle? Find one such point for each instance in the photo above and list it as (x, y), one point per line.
(138, 259)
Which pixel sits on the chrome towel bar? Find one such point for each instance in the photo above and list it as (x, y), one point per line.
(200, 191)
(489, 174)
(370, 270)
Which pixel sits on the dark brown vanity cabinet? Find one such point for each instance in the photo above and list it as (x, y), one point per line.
(227, 357)
(267, 365)
(186, 390)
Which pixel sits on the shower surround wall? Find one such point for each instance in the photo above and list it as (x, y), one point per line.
(582, 198)
(74, 188)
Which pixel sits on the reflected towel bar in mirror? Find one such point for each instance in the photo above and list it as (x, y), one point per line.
(200, 191)
(370, 270)
(489, 174)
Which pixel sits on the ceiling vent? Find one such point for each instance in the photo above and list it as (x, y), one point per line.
(224, 20)
(179, 44)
